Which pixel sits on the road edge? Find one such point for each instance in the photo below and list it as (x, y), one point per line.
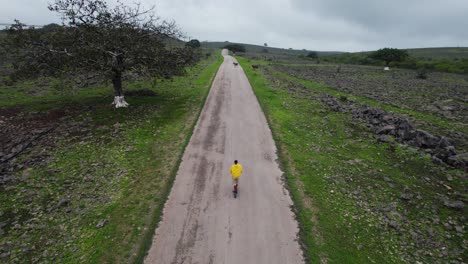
(147, 241)
(282, 164)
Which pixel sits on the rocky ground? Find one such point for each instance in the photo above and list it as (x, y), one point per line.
(37, 200)
(419, 217)
(442, 94)
(389, 127)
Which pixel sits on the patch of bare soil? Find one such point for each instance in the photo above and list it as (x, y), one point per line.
(27, 137)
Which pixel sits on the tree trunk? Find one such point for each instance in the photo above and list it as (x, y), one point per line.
(387, 68)
(119, 100)
(117, 83)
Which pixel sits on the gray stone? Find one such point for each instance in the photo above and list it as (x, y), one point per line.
(444, 142)
(459, 161)
(393, 224)
(426, 140)
(63, 203)
(26, 174)
(459, 205)
(436, 160)
(388, 129)
(406, 196)
(102, 223)
(387, 118)
(447, 226)
(384, 138)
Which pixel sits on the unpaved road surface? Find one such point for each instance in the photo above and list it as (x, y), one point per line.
(203, 223)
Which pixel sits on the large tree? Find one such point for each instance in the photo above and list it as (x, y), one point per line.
(389, 55)
(312, 54)
(235, 47)
(99, 41)
(193, 43)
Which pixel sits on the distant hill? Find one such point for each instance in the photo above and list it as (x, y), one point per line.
(434, 53)
(259, 49)
(444, 52)
(437, 53)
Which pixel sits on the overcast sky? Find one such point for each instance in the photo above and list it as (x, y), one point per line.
(342, 25)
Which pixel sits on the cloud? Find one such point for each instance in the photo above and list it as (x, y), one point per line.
(399, 22)
(311, 24)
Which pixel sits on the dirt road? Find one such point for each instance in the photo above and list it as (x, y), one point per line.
(202, 221)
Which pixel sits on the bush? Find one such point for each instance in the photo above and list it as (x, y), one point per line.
(421, 73)
(194, 43)
(312, 55)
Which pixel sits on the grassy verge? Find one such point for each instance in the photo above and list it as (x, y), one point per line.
(358, 201)
(100, 197)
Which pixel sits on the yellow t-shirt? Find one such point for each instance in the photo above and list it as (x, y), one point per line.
(236, 170)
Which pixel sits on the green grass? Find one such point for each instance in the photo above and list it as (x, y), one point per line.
(122, 173)
(50, 94)
(335, 172)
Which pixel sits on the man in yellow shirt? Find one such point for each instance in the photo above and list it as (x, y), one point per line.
(236, 171)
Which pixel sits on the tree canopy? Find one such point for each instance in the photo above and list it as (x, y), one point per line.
(98, 41)
(235, 47)
(193, 43)
(312, 54)
(389, 55)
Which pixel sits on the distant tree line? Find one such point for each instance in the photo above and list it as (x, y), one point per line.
(401, 60)
(235, 47)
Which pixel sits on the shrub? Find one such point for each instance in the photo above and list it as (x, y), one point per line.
(421, 73)
(235, 47)
(194, 43)
(343, 98)
(312, 55)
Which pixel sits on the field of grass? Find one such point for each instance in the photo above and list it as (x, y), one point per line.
(97, 193)
(357, 200)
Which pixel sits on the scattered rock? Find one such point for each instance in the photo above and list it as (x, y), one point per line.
(406, 196)
(459, 161)
(5, 256)
(393, 224)
(384, 138)
(447, 226)
(354, 161)
(102, 223)
(63, 203)
(26, 174)
(388, 129)
(458, 205)
(129, 149)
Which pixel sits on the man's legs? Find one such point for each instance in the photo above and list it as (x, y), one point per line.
(235, 183)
